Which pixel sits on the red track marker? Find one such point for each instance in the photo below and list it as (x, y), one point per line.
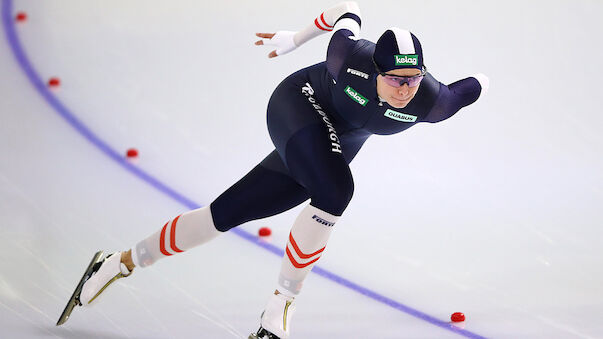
(54, 82)
(132, 153)
(264, 232)
(457, 317)
(21, 17)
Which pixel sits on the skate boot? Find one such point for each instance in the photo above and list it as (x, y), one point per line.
(101, 272)
(276, 319)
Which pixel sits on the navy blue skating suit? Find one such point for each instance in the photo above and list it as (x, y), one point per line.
(318, 118)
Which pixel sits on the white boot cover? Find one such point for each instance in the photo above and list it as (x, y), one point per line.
(110, 270)
(277, 315)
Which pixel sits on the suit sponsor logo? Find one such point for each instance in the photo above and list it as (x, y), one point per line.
(400, 116)
(323, 221)
(308, 91)
(406, 59)
(358, 73)
(356, 96)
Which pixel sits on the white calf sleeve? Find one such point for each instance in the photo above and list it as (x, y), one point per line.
(188, 230)
(307, 241)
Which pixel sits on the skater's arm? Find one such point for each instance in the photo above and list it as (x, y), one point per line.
(345, 15)
(346, 34)
(458, 95)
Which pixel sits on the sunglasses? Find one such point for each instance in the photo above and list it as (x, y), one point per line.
(399, 81)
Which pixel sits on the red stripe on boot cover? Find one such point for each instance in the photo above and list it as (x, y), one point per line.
(162, 240)
(295, 263)
(318, 25)
(322, 17)
(299, 252)
(173, 236)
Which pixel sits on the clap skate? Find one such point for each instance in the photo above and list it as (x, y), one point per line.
(101, 272)
(276, 318)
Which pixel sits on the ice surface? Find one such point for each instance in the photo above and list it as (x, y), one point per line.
(495, 212)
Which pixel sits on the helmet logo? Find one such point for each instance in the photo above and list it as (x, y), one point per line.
(406, 59)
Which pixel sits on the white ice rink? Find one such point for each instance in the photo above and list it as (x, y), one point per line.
(496, 212)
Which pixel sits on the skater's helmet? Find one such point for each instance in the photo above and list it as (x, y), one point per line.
(398, 48)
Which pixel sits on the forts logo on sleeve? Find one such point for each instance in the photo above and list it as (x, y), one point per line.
(355, 96)
(358, 73)
(406, 59)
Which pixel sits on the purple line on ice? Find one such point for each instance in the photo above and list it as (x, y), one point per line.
(65, 113)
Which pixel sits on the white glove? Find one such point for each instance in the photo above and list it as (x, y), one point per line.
(283, 41)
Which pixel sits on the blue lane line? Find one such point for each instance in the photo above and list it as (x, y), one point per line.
(65, 113)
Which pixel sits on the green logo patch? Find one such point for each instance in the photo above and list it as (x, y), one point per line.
(400, 116)
(356, 96)
(406, 59)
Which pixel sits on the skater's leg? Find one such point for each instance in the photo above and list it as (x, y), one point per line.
(307, 142)
(262, 192)
(326, 176)
(185, 231)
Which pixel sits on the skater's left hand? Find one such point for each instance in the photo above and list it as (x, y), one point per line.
(282, 40)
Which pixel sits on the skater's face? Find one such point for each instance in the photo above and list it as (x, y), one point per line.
(398, 97)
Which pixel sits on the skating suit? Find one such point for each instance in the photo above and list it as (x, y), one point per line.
(318, 118)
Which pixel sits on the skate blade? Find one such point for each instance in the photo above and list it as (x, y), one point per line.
(256, 335)
(74, 301)
(262, 334)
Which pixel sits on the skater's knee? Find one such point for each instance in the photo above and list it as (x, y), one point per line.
(223, 217)
(334, 198)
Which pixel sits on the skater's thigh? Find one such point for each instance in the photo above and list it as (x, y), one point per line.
(320, 167)
(263, 192)
(351, 143)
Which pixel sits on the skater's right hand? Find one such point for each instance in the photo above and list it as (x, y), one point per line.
(282, 40)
